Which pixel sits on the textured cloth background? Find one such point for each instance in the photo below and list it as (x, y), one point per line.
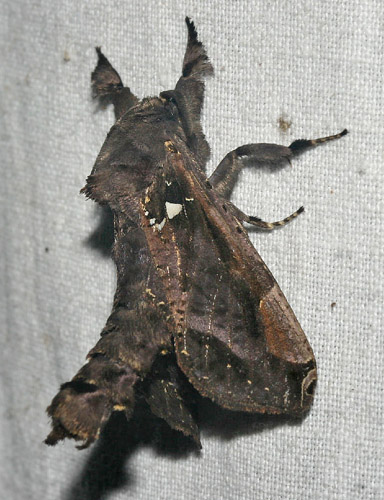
(317, 64)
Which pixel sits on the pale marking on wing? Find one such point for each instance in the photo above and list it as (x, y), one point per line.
(152, 221)
(185, 210)
(185, 339)
(159, 226)
(177, 253)
(173, 209)
(206, 350)
(230, 348)
(286, 395)
(119, 408)
(189, 199)
(210, 321)
(147, 284)
(169, 278)
(229, 332)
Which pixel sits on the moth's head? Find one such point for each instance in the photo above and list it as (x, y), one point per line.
(153, 110)
(134, 149)
(167, 113)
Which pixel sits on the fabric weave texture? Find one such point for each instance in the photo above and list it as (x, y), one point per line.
(318, 66)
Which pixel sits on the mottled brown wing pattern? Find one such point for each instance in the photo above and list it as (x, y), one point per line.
(239, 343)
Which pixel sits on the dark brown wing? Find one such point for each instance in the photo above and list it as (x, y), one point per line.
(239, 343)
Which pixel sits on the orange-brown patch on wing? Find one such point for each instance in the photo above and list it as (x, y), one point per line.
(284, 335)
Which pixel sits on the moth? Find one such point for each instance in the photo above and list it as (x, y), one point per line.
(195, 305)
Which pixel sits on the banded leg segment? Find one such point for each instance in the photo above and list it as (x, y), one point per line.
(226, 174)
(256, 221)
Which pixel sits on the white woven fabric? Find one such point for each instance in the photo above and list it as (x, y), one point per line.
(319, 65)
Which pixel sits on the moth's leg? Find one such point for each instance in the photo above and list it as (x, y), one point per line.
(227, 172)
(256, 221)
(108, 87)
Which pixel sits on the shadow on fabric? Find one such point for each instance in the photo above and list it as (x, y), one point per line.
(107, 468)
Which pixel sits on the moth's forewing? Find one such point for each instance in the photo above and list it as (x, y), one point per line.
(238, 341)
(170, 396)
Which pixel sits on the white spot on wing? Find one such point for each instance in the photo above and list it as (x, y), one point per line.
(173, 209)
(160, 226)
(285, 397)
